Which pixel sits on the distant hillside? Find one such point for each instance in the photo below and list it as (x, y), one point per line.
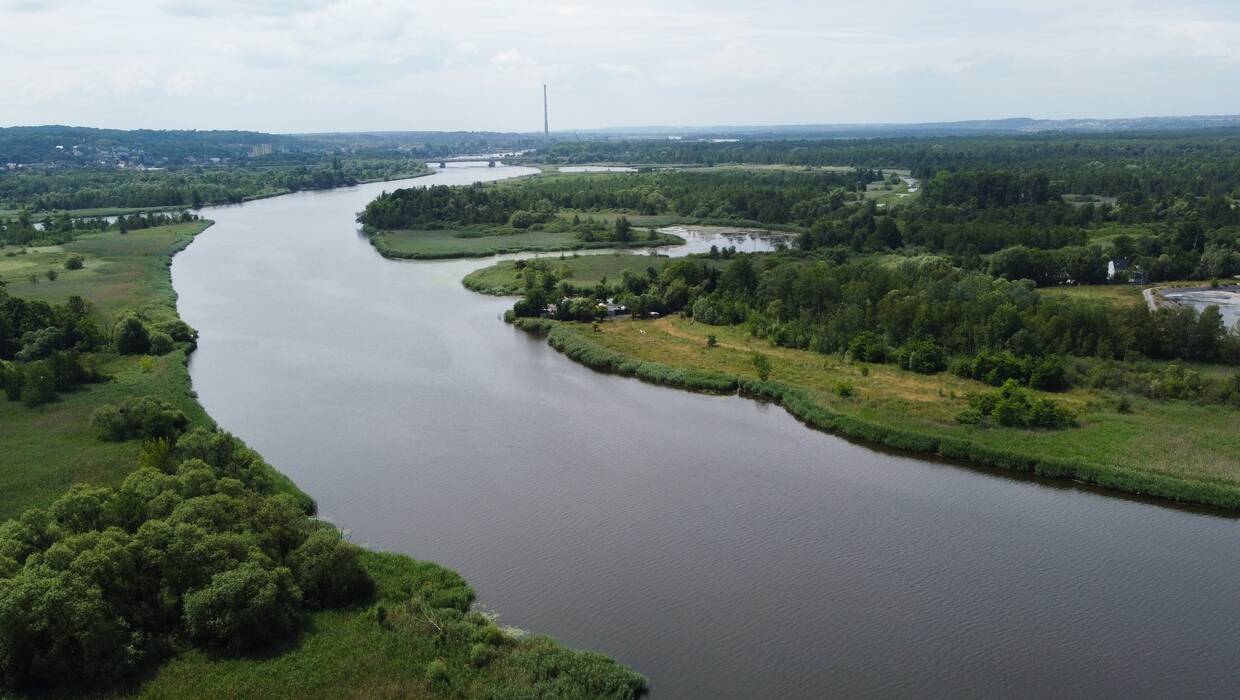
(991, 127)
(82, 146)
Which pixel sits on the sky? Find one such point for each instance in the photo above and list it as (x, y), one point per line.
(288, 66)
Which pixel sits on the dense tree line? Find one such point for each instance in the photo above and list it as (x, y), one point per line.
(776, 197)
(187, 187)
(879, 311)
(1197, 162)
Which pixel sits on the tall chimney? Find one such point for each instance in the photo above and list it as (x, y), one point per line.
(546, 122)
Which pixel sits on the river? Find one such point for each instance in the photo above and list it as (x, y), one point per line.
(712, 543)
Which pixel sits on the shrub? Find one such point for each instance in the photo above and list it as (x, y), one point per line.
(1012, 407)
(328, 570)
(243, 608)
(522, 219)
(75, 262)
(38, 383)
(146, 417)
(52, 275)
(481, 654)
(711, 341)
(844, 389)
(762, 365)
(161, 343)
(180, 331)
(867, 347)
(437, 672)
(132, 337)
(922, 356)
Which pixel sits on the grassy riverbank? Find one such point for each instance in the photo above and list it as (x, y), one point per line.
(49, 448)
(1170, 449)
(506, 278)
(415, 637)
(480, 242)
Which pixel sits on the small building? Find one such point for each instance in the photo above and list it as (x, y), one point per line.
(1115, 267)
(1121, 270)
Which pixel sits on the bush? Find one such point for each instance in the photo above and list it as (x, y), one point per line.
(161, 343)
(844, 389)
(328, 570)
(38, 383)
(145, 417)
(180, 331)
(522, 219)
(75, 262)
(243, 608)
(762, 365)
(1012, 407)
(867, 347)
(922, 356)
(132, 337)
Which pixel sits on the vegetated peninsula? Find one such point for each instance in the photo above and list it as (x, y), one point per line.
(458, 222)
(145, 552)
(976, 321)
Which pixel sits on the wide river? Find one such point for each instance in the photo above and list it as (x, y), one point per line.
(712, 543)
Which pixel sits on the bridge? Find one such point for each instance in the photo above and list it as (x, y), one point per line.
(443, 162)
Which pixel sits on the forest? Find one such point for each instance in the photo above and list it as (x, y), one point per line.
(45, 191)
(777, 197)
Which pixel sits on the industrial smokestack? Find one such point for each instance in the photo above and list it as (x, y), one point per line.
(546, 121)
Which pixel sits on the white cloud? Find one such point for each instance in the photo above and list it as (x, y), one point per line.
(302, 65)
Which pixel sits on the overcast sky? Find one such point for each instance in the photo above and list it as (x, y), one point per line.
(352, 65)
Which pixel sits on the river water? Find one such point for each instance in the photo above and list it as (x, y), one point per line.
(713, 543)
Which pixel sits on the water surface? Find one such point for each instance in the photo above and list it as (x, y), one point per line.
(713, 543)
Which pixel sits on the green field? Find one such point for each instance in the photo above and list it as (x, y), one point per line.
(1174, 449)
(478, 243)
(1118, 295)
(47, 449)
(503, 278)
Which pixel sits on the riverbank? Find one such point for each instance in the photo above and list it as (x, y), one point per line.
(447, 244)
(416, 636)
(1167, 449)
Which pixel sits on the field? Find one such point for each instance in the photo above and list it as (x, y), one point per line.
(51, 447)
(1118, 295)
(478, 243)
(1170, 448)
(503, 278)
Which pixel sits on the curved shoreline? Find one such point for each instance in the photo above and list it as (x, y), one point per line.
(801, 406)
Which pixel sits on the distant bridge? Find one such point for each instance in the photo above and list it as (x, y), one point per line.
(443, 162)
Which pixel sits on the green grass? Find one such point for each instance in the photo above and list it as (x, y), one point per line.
(477, 242)
(503, 278)
(49, 448)
(1172, 449)
(347, 653)
(1118, 295)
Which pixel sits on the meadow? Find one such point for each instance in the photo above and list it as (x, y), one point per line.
(478, 242)
(51, 447)
(505, 277)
